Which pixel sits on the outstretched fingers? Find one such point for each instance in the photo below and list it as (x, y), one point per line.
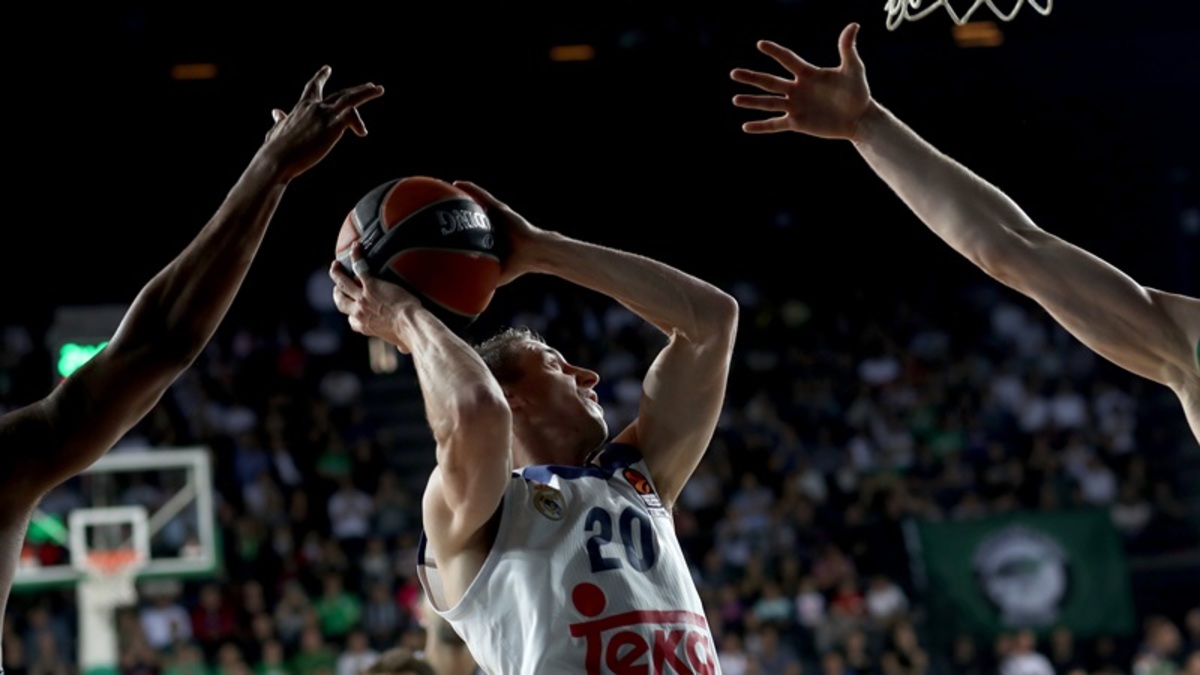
(356, 96)
(771, 126)
(313, 90)
(764, 81)
(346, 103)
(786, 58)
(848, 48)
(770, 103)
(351, 118)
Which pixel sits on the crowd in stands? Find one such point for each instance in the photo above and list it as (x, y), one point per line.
(841, 424)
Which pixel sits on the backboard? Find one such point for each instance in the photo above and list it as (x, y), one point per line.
(157, 501)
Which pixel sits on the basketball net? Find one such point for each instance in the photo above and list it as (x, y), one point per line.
(112, 576)
(912, 10)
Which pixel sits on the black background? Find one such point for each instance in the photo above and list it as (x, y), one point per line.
(1087, 117)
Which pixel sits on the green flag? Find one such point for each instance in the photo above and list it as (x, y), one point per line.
(1023, 570)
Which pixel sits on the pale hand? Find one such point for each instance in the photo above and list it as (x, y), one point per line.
(521, 235)
(822, 102)
(370, 304)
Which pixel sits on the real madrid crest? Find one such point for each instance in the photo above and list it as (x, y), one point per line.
(549, 501)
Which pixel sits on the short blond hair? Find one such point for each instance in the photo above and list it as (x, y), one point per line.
(399, 661)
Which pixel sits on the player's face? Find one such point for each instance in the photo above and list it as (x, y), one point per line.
(556, 393)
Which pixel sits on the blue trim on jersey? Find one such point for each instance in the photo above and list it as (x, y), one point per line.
(615, 457)
(420, 551)
(543, 472)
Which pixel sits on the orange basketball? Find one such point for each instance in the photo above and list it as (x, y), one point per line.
(431, 238)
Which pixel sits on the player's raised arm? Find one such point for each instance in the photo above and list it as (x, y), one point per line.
(1146, 331)
(464, 405)
(177, 312)
(684, 390)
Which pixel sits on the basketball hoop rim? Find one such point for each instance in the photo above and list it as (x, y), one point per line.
(114, 562)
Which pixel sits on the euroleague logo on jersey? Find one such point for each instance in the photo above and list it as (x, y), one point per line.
(642, 486)
(639, 482)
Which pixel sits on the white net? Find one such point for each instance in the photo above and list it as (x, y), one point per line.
(899, 11)
(111, 577)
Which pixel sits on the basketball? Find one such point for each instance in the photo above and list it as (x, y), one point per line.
(431, 238)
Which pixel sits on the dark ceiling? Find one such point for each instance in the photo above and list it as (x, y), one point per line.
(1088, 117)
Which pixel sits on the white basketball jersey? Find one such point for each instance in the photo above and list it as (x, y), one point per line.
(585, 576)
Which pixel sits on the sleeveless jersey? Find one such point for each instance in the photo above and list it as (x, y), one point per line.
(585, 576)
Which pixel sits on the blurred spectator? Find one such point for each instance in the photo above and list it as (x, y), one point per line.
(252, 601)
(1161, 651)
(848, 602)
(1097, 482)
(857, 653)
(315, 656)
(357, 655)
(1068, 408)
(392, 511)
(164, 620)
(376, 564)
(832, 568)
(186, 659)
(290, 613)
(338, 609)
(1131, 513)
(965, 658)
(350, 511)
(1062, 652)
(1191, 629)
(13, 647)
(1105, 657)
(45, 631)
(730, 654)
(273, 660)
(45, 657)
(833, 663)
(904, 644)
(1022, 657)
(231, 660)
(137, 657)
(213, 620)
(773, 655)
(772, 607)
(886, 602)
(381, 616)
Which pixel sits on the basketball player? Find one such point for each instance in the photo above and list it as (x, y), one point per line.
(168, 324)
(548, 548)
(1149, 332)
